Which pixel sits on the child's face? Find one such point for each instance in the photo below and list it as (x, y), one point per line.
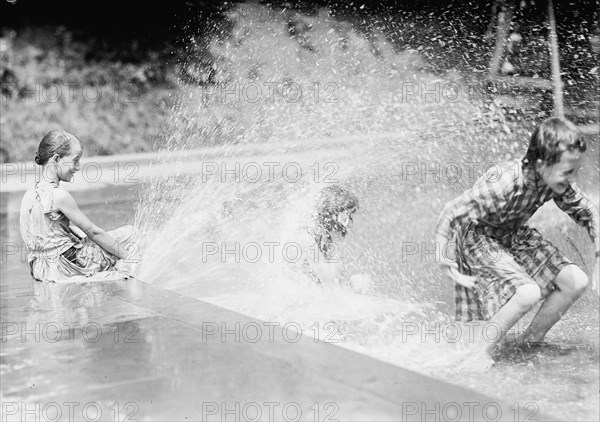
(560, 175)
(345, 219)
(68, 165)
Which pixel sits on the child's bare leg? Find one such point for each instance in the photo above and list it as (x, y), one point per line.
(571, 282)
(523, 300)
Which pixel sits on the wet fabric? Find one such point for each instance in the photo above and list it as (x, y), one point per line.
(487, 225)
(501, 267)
(47, 237)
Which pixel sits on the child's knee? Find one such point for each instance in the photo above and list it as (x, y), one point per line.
(528, 295)
(580, 281)
(572, 279)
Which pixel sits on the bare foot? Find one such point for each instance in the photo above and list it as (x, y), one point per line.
(526, 341)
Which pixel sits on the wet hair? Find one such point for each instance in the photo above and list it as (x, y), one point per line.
(551, 138)
(54, 142)
(332, 201)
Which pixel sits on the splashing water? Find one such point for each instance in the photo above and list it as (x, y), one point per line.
(297, 103)
(286, 116)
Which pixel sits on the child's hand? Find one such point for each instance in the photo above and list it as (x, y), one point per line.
(462, 279)
(123, 267)
(467, 281)
(126, 266)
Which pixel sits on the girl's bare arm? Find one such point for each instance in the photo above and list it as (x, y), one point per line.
(64, 202)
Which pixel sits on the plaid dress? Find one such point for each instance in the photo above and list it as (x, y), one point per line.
(487, 226)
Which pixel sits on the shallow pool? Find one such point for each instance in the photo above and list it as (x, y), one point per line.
(561, 380)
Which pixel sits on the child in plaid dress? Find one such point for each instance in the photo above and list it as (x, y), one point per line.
(502, 267)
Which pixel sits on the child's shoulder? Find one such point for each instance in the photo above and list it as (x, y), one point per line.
(59, 191)
(62, 196)
(502, 175)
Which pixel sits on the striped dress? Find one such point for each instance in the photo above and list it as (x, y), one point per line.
(487, 227)
(54, 253)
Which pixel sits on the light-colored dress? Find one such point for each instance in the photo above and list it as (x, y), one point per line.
(47, 236)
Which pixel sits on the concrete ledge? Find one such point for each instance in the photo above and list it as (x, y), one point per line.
(178, 358)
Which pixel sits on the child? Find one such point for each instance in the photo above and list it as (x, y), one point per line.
(331, 220)
(61, 241)
(501, 266)
(332, 217)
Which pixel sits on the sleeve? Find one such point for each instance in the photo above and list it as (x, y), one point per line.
(487, 197)
(446, 226)
(580, 208)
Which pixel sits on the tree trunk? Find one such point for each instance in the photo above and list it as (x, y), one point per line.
(557, 86)
(502, 28)
(489, 32)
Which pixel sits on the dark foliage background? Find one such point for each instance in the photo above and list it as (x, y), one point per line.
(148, 51)
(154, 23)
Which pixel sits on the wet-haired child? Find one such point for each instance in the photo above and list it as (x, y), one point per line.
(502, 267)
(330, 221)
(62, 244)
